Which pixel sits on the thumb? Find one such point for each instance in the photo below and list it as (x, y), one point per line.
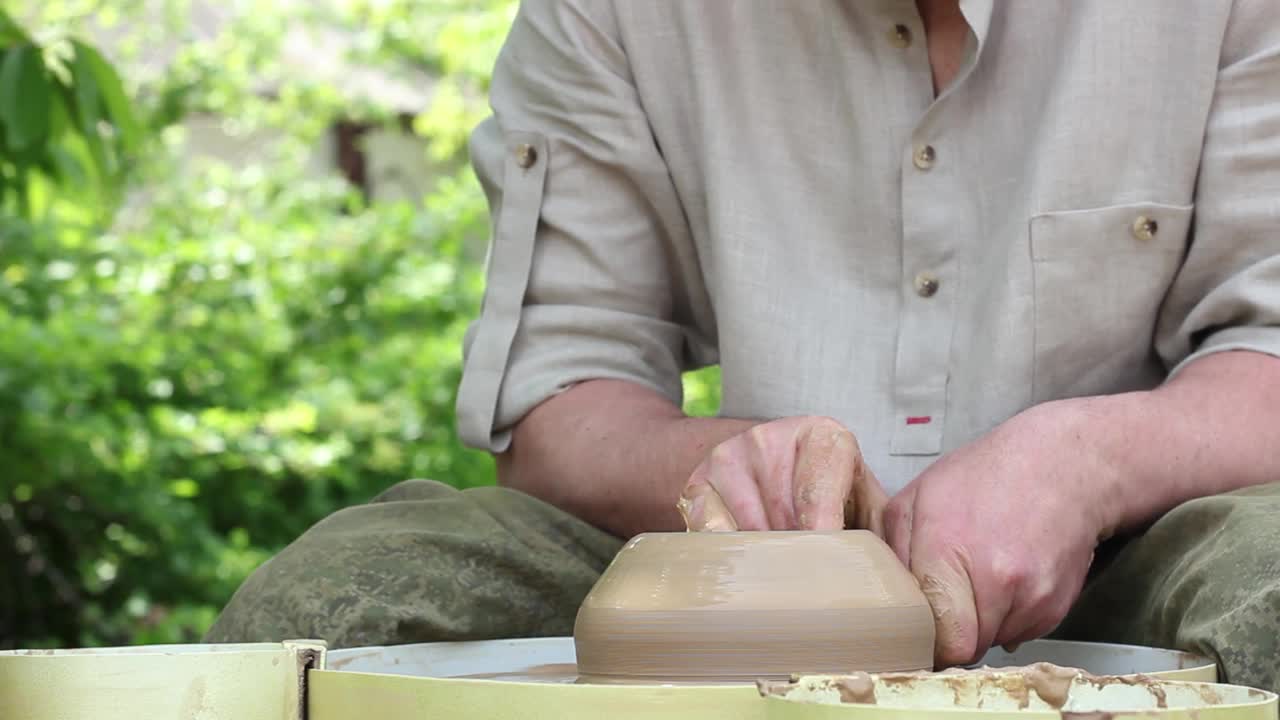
(947, 587)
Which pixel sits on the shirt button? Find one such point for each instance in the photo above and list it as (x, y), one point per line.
(924, 157)
(926, 285)
(1144, 228)
(900, 36)
(526, 155)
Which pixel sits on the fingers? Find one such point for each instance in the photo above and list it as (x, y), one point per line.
(723, 494)
(794, 473)
(944, 579)
(865, 507)
(736, 482)
(1041, 603)
(897, 518)
(703, 510)
(955, 615)
(773, 463)
(1027, 621)
(827, 460)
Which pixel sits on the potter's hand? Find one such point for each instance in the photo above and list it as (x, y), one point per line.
(797, 473)
(1000, 533)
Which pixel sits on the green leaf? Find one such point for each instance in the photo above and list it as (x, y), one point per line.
(87, 100)
(184, 488)
(59, 115)
(114, 99)
(10, 32)
(68, 169)
(24, 97)
(102, 160)
(57, 53)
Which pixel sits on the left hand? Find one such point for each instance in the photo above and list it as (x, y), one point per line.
(1001, 532)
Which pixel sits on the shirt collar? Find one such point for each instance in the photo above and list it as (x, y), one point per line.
(978, 15)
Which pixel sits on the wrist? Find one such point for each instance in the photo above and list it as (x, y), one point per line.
(1128, 475)
(1088, 435)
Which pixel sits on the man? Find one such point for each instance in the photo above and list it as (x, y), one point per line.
(1027, 254)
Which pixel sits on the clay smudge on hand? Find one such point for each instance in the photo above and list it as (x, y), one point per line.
(705, 511)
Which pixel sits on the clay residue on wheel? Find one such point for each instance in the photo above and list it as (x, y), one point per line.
(857, 688)
(1072, 693)
(1210, 695)
(1050, 684)
(1153, 686)
(1150, 684)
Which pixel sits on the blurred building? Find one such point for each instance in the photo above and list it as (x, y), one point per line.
(387, 163)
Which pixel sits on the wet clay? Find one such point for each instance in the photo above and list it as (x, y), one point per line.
(1053, 683)
(1050, 682)
(682, 606)
(858, 688)
(1208, 694)
(1046, 682)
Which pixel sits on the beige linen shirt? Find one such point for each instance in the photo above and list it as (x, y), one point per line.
(1092, 203)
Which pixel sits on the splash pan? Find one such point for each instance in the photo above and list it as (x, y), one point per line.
(553, 660)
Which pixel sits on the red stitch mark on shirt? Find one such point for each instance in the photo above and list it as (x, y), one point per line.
(919, 419)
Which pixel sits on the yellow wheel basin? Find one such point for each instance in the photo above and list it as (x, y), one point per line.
(536, 678)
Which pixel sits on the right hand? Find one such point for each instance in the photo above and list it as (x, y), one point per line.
(797, 473)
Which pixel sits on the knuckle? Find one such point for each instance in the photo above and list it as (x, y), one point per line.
(723, 454)
(760, 436)
(822, 422)
(699, 477)
(831, 433)
(1042, 592)
(689, 485)
(1007, 572)
(823, 426)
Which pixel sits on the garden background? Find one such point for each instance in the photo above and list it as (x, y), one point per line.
(239, 247)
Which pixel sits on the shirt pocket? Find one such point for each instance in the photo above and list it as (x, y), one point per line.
(1099, 278)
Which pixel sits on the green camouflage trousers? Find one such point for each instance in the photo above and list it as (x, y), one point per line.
(425, 562)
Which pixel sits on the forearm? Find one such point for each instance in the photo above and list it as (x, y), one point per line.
(1213, 429)
(613, 453)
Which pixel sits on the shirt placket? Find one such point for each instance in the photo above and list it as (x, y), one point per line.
(935, 216)
(929, 298)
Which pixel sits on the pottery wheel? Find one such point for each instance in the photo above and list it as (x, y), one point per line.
(552, 660)
(535, 679)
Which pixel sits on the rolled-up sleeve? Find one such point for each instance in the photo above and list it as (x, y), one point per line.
(1227, 294)
(587, 271)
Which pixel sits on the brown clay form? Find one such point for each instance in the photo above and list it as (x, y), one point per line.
(742, 606)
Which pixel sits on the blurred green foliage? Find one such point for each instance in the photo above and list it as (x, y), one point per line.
(200, 360)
